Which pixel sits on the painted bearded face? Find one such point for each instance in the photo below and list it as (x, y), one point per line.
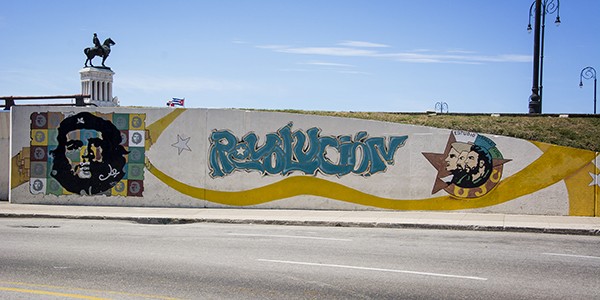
(452, 160)
(472, 162)
(89, 158)
(86, 145)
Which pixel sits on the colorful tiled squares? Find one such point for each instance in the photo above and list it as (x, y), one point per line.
(84, 154)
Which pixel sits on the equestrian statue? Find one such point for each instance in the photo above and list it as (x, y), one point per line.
(98, 50)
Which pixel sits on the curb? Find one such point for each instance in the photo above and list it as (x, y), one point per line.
(181, 221)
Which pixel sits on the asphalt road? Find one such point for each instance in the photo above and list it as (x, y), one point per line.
(84, 259)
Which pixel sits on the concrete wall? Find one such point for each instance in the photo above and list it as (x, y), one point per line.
(224, 158)
(4, 153)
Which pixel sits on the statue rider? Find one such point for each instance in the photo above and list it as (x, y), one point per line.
(97, 44)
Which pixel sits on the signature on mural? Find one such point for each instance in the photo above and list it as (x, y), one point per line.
(286, 151)
(470, 166)
(87, 154)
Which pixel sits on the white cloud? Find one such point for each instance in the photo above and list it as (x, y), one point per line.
(321, 66)
(362, 44)
(461, 51)
(183, 84)
(296, 70)
(421, 50)
(415, 56)
(353, 72)
(454, 58)
(514, 58)
(326, 64)
(331, 51)
(272, 47)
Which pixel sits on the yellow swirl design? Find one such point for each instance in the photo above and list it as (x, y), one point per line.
(554, 165)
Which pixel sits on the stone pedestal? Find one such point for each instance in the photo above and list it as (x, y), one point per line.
(98, 82)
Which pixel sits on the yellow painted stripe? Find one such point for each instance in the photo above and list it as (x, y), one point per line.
(46, 286)
(39, 292)
(157, 128)
(553, 166)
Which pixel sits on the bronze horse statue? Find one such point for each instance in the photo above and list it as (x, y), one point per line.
(103, 52)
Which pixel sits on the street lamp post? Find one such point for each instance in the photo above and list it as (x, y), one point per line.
(542, 7)
(441, 107)
(588, 73)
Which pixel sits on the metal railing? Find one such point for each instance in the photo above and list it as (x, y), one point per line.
(9, 101)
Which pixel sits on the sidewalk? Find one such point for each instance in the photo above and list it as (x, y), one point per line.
(383, 219)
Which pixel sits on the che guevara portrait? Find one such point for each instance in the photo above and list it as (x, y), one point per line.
(89, 158)
(87, 153)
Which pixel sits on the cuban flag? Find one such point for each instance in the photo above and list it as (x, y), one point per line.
(176, 102)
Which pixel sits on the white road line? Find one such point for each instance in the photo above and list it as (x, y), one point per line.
(290, 236)
(572, 255)
(372, 269)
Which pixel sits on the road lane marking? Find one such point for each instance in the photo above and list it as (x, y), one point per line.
(371, 269)
(572, 255)
(47, 293)
(290, 236)
(86, 290)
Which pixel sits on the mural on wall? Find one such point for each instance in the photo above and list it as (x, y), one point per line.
(286, 151)
(87, 154)
(107, 154)
(470, 166)
(486, 189)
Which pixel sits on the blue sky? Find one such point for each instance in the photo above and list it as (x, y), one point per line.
(339, 55)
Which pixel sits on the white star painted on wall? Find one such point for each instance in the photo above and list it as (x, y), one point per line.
(182, 144)
(240, 151)
(595, 179)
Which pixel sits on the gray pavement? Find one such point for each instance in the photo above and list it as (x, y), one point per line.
(387, 219)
